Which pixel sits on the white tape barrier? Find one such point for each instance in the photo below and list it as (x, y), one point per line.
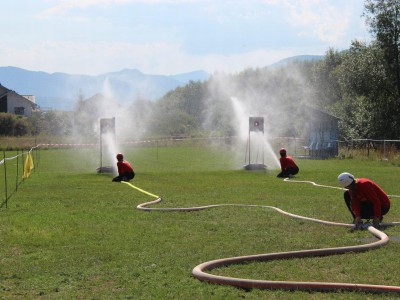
(14, 157)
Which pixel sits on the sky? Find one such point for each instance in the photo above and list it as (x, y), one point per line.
(169, 37)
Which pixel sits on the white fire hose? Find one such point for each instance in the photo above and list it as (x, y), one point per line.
(200, 273)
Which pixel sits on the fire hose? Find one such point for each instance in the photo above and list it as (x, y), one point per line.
(200, 273)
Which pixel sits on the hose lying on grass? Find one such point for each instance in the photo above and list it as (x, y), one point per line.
(199, 271)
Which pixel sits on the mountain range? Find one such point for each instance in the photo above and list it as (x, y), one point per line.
(60, 91)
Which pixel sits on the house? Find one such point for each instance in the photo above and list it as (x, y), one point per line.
(13, 103)
(323, 133)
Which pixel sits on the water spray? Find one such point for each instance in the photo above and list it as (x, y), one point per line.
(253, 127)
(256, 126)
(107, 133)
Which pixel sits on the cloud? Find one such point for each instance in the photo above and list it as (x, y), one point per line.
(169, 37)
(327, 22)
(62, 7)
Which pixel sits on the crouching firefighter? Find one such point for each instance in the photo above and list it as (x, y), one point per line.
(125, 170)
(364, 199)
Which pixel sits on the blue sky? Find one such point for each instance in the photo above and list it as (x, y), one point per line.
(169, 37)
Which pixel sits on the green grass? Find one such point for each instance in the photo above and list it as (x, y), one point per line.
(70, 233)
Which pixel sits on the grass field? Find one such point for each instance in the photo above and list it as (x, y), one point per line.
(70, 233)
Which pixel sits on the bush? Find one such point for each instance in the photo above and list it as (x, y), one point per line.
(14, 125)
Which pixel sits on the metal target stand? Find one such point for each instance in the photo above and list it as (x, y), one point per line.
(256, 124)
(107, 126)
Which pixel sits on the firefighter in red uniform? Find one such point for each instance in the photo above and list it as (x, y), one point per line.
(288, 166)
(364, 199)
(125, 170)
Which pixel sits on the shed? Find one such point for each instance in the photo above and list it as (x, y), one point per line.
(323, 133)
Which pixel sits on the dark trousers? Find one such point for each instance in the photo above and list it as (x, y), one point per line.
(287, 172)
(124, 177)
(366, 208)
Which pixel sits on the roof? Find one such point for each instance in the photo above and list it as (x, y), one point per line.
(4, 90)
(320, 112)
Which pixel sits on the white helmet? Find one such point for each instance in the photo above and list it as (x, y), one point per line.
(345, 179)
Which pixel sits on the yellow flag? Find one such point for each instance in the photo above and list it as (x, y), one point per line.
(28, 166)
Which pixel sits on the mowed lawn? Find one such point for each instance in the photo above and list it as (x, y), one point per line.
(70, 233)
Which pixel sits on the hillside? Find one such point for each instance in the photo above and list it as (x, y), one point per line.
(60, 91)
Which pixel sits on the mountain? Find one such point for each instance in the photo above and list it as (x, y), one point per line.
(292, 59)
(60, 91)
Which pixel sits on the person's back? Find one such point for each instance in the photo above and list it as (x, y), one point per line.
(288, 167)
(125, 170)
(367, 190)
(287, 162)
(124, 166)
(364, 199)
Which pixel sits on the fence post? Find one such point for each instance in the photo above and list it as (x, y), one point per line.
(37, 156)
(5, 176)
(23, 160)
(384, 149)
(16, 181)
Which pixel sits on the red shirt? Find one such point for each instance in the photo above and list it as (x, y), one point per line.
(124, 167)
(367, 190)
(287, 162)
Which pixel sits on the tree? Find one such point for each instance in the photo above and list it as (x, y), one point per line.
(356, 121)
(324, 78)
(363, 82)
(383, 17)
(362, 71)
(14, 125)
(179, 110)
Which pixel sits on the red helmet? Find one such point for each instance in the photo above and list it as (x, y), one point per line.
(282, 151)
(120, 156)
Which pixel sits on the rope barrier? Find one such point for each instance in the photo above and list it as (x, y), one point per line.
(28, 166)
(15, 156)
(200, 273)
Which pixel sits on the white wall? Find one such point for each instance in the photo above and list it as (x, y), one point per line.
(14, 100)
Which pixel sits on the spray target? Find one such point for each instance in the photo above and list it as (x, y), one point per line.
(256, 124)
(107, 126)
(107, 130)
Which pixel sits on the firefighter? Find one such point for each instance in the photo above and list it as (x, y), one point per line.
(288, 166)
(125, 170)
(364, 199)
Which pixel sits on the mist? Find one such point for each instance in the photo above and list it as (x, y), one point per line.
(259, 150)
(276, 94)
(129, 123)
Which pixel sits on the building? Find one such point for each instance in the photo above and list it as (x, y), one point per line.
(323, 133)
(13, 103)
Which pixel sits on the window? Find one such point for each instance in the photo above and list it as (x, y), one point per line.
(19, 110)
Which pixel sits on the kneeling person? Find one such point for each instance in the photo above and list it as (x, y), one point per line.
(125, 170)
(364, 198)
(288, 167)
